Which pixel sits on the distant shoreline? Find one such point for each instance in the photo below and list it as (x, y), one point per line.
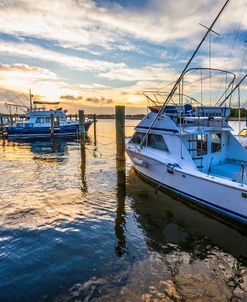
(111, 116)
(233, 118)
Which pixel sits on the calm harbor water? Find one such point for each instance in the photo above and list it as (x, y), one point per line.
(71, 231)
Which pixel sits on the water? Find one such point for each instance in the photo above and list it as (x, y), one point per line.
(74, 232)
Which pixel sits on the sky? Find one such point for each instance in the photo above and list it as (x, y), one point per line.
(93, 55)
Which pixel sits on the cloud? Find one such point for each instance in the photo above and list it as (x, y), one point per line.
(101, 100)
(71, 97)
(27, 50)
(19, 78)
(25, 71)
(47, 32)
(154, 72)
(103, 69)
(46, 85)
(79, 24)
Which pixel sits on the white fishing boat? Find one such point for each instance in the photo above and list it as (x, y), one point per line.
(190, 150)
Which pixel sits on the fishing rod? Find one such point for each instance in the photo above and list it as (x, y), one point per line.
(185, 69)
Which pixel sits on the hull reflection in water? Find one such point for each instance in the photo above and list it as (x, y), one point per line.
(186, 256)
(200, 257)
(72, 230)
(168, 220)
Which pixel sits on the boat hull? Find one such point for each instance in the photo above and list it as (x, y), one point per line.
(45, 132)
(205, 191)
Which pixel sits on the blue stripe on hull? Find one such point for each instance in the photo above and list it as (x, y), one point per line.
(226, 212)
(42, 131)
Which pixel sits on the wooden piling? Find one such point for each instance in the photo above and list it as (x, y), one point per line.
(82, 126)
(52, 125)
(83, 169)
(120, 136)
(82, 136)
(1, 122)
(120, 220)
(94, 128)
(3, 135)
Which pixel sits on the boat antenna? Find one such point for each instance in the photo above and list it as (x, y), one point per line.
(30, 99)
(174, 88)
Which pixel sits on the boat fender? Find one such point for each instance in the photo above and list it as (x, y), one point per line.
(140, 162)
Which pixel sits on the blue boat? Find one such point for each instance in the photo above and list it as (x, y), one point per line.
(37, 124)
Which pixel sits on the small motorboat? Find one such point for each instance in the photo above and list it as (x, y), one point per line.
(38, 124)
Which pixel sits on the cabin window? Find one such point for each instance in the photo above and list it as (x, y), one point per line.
(56, 121)
(215, 142)
(137, 138)
(19, 125)
(48, 120)
(40, 120)
(157, 142)
(202, 145)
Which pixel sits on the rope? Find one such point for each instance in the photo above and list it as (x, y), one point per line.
(106, 144)
(101, 155)
(159, 185)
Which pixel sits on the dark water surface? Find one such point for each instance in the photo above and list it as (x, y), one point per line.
(73, 232)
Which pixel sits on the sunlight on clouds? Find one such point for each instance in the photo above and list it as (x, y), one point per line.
(49, 90)
(135, 99)
(21, 77)
(104, 69)
(45, 85)
(82, 23)
(85, 54)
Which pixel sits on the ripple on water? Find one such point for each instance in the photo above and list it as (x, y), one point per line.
(69, 233)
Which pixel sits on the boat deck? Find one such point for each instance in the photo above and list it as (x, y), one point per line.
(231, 171)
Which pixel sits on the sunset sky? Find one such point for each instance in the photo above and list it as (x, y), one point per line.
(96, 54)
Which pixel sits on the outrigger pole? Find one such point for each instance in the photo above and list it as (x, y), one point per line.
(185, 69)
(237, 86)
(31, 100)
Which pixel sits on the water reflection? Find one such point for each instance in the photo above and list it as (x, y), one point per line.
(120, 220)
(52, 150)
(70, 230)
(170, 223)
(201, 256)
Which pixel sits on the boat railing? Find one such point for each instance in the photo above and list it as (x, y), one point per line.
(195, 78)
(217, 123)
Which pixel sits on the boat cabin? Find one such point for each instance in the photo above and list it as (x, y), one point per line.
(195, 138)
(43, 119)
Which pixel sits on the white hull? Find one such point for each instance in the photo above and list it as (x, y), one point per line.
(210, 191)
